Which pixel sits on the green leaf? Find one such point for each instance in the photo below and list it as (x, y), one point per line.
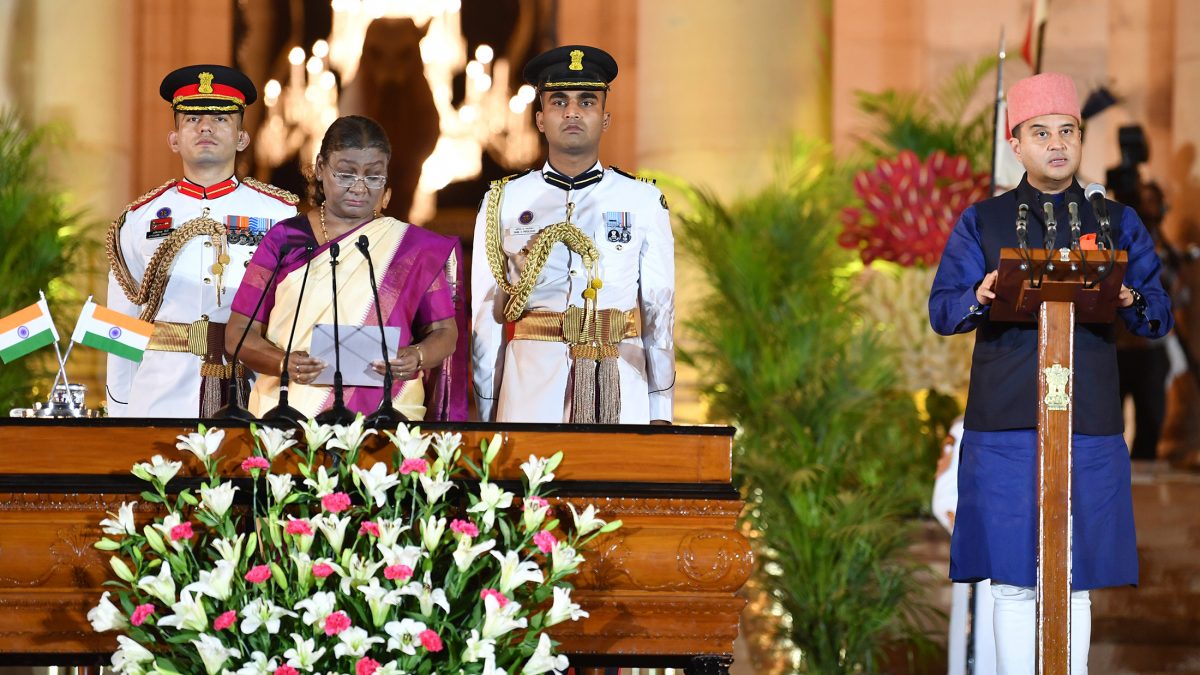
(188, 497)
(610, 526)
(279, 577)
(122, 570)
(151, 497)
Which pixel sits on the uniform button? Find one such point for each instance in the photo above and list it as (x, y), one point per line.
(246, 264)
(574, 273)
(208, 244)
(619, 247)
(207, 280)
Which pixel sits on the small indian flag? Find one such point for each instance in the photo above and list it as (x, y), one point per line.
(24, 331)
(113, 332)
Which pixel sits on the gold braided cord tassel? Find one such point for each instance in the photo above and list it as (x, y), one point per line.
(608, 392)
(583, 396)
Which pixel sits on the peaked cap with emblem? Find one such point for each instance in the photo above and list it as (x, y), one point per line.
(207, 89)
(573, 67)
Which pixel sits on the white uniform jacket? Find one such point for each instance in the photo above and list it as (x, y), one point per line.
(167, 384)
(530, 381)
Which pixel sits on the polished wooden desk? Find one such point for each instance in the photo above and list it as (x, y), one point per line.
(661, 591)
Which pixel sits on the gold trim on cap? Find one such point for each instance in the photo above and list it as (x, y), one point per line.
(209, 108)
(573, 85)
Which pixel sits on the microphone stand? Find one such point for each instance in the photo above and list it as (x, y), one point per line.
(338, 413)
(233, 408)
(283, 414)
(386, 416)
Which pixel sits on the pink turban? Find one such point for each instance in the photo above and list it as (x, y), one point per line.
(1043, 94)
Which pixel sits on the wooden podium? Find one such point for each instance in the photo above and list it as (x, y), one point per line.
(661, 591)
(1057, 289)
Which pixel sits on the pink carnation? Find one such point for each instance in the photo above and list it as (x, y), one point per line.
(335, 502)
(500, 599)
(366, 666)
(464, 527)
(398, 572)
(545, 541)
(299, 526)
(141, 613)
(411, 465)
(258, 574)
(322, 570)
(182, 531)
(285, 669)
(336, 623)
(225, 620)
(369, 527)
(535, 503)
(255, 462)
(430, 640)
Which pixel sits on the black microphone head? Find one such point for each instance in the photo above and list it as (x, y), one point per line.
(334, 249)
(1094, 190)
(363, 243)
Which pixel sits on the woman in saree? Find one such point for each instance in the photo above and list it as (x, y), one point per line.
(417, 273)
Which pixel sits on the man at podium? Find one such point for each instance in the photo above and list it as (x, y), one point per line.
(996, 522)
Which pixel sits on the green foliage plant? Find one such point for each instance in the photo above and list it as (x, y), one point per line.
(41, 238)
(827, 446)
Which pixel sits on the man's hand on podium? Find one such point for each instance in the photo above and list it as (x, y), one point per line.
(986, 291)
(1126, 297)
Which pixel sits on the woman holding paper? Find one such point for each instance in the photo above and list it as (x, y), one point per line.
(417, 273)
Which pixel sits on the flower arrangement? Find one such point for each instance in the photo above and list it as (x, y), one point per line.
(407, 567)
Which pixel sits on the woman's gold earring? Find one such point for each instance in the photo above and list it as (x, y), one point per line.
(374, 213)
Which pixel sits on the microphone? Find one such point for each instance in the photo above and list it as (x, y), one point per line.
(1095, 194)
(284, 414)
(338, 413)
(386, 415)
(233, 408)
(1073, 214)
(1051, 225)
(1022, 225)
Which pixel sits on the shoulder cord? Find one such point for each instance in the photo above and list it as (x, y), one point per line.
(158, 270)
(565, 232)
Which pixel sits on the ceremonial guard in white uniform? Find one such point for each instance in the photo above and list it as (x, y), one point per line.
(178, 253)
(573, 273)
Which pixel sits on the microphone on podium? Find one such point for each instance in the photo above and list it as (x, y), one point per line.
(338, 413)
(233, 408)
(386, 416)
(1022, 225)
(1095, 194)
(283, 414)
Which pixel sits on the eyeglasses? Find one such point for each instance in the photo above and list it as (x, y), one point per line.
(347, 180)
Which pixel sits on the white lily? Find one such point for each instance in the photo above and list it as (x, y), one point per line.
(157, 469)
(203, 446)
(532, 518)
(376, 481)
(465, 554)
(260, 613)
(217, 500)
(380, 600)
(586, 522)
(258, 664)
(358, 572)
(499, 620)
(348, 437)
(408, 556)
(129, 655)
(316, 607)
(563, 609)
(323, 484)
(305, 654)
(436, 487)
(389, 531)
(544, 661)
(493, 449)
(536, 471)
(489, 667)
(121, 521)
(391, 668)
(281, 485)
(354, 642)
(404, 635)
(188, 614)
(563, 558)
(432, 529)
(168, 523)
(316, 435)
(274, 441)
(429, 596)
(106, 616)
(303, 541)
(447, 445)
(333, 527)
(161, 585)
(409, 441)
(478, 648)
(231, 551)
(491, 497)
(514, 571)
(213, 652)
(215, 583)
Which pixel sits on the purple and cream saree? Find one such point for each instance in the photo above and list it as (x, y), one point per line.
(420, 282)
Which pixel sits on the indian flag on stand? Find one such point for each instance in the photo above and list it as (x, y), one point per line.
(26, 330)
(113, 332)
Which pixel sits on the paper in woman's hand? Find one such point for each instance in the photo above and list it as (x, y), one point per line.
(359, 348)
